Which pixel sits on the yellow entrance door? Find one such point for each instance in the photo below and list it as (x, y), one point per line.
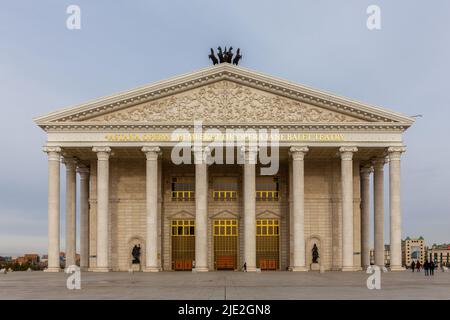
(267, 244)
(225, 244)
(183, 244)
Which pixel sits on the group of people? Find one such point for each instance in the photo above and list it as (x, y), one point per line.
(428, 267)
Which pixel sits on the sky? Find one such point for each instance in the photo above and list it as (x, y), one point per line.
(44, 66)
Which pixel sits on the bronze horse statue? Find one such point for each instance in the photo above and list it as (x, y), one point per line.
(213, 57)
(225, 56)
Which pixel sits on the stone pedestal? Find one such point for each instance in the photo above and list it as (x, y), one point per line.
(135, 267)
(315, 267)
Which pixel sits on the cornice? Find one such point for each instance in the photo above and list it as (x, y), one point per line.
(134, 126)
(220, 72)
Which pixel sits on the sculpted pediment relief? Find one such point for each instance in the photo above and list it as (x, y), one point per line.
(224, 214)
(225, 101)
(267, 214)
(182, 215)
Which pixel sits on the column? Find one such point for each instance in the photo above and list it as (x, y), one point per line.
(201, 210)
(365, 216)
(83, 171)
(71, 220)
(298, 209)
(54, 158)
(250, 208)
(395, 208)
(151, 261)
(103, 154)
(378, 194)
(347, 206)
(291, 230)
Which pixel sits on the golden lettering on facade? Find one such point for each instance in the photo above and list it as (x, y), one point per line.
(285, 137)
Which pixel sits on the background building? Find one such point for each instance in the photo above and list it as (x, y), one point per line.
(387, 256)
(413, 250)
(440, 254)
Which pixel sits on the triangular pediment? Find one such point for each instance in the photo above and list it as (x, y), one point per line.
(183, 214)
(225, 101)
(223, 94)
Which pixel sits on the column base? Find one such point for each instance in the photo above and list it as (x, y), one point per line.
(151, 269)
(299, 269)
(350, 269)
(101, 269)
(251, 269)
(84, 269)
(200, 269)
(53, 269)
(397, 268)
(336, 268)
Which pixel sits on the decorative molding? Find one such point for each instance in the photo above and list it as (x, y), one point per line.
(320, 127)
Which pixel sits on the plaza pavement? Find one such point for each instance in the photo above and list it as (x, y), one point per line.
(224, 285)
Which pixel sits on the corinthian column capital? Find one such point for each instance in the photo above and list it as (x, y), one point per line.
(54, 153)
(298, 153)
(70, 162)
(249, 154)
(378, 163)
(83, 171)
(366, 171)
(151, 152)
(103, 153)
(201, 154)
(394, 153)
(347, 152)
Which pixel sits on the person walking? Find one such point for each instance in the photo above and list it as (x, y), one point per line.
(413, 265)
(244, 267)
(432, 266)
(418, 265)
(426, 265)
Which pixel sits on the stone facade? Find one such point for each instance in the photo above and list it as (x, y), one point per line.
(122, 144)
(127, 207)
